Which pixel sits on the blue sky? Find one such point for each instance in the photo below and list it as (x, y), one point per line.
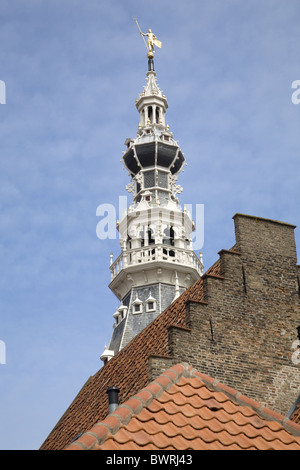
(73, 70)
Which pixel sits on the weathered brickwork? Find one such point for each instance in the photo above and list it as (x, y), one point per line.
(244, 331)
(157, 364)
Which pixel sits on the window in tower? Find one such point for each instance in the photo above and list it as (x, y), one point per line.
(157, 115)
(150, 113)
(137, 306)
(142, 237)
(169, 236)
(162, 179)
(147, 237)
(150, 304)
(120, 314)
(151, 240)
(149, 179)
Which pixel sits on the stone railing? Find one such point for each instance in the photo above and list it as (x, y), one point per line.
(158, 253)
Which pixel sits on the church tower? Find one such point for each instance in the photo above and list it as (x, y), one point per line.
(157, 262)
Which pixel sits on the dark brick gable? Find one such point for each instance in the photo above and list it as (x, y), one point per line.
(238, 324)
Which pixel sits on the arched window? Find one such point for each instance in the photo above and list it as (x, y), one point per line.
(150, 113)
(169, 236)
(157, 115)
(149, 235)
(151, 240)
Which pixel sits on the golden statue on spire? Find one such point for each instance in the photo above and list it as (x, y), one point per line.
(151, 42)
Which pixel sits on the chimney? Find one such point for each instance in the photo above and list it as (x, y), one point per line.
(113, 399)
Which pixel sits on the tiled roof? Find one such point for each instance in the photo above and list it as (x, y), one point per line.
(186, 410)
(128, 370)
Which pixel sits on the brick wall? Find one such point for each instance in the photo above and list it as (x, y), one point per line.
(244, 330)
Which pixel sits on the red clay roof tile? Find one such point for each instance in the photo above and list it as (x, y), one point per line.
(193, 414)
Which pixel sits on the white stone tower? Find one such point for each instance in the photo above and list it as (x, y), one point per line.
(157, 262)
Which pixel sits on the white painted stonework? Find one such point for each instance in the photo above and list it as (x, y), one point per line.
(155, 233)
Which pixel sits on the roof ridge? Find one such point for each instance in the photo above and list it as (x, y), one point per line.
(97, 435)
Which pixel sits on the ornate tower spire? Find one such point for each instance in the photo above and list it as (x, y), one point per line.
(157, 262)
